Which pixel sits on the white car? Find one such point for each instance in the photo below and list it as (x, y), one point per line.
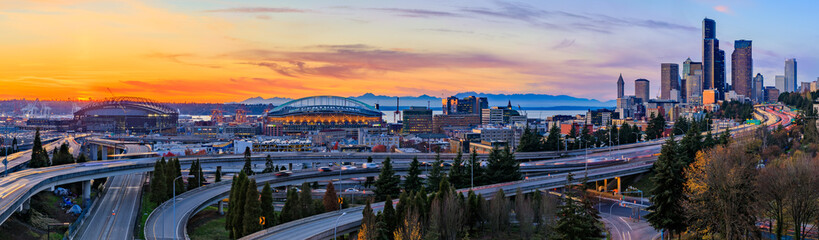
(351, 190)
(369, 165)
(348, 168)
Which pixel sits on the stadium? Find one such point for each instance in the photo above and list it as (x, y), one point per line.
(300, 116)
(126, 114)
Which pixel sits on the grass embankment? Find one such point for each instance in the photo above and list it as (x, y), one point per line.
(208, 225)
(147, 208)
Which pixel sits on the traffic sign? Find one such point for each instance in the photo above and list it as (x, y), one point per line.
(340, 200)
(261, 220)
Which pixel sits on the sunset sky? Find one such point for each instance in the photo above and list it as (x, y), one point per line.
(221, 51)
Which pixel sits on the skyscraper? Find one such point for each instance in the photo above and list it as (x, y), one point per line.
(790, 75)
(686, 67)
(694, 87)
(742, 68)
(620, 85)
(713, 59)
(641, 89)
(780, 83)
(758, 89)
(719, 74)
(669, 79)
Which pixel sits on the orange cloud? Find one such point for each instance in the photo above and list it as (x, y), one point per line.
(723, 9)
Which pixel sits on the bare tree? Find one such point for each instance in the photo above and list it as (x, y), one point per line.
(447, 216)
(546, 213)
(773, 185)
(720, 192)
(803, 191)
(524, 214)
(410, 228)
(497, 213)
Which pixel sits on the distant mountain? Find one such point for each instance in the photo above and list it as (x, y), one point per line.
(530, 100)
(261, 100)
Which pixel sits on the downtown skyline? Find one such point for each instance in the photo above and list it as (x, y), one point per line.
(223, 52)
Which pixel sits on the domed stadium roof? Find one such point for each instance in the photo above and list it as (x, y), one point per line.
(324, 104)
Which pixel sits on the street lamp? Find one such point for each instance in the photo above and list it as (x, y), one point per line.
(174, 206)
(335, 230)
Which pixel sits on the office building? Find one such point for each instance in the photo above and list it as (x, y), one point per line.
(620, 86)
(771, 94)
(442, 123)
(694, 87)
(713, 59)
(669, 79)
(449, 105)
(790, 75)
(742, 68)
(759, 95)
(501, 115)
(641, 89)
(780, 83)
(417, 120)
(709, 96)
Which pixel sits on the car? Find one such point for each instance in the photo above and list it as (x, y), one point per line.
(446, 164)
(369, 165)
(348, 168)
(325, 169)
(351, 190)
(283, 173)
(426, 164)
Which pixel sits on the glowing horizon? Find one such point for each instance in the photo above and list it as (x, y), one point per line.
(209, 51)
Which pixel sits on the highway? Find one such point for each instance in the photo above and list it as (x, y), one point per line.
(193, 201)
(114, 214)
(321, 226)
(19, 186)
(19, 159)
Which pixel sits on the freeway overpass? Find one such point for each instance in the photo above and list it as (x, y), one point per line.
(321, 226)
(16, 189)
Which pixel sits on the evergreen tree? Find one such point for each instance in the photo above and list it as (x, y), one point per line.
(690, 145)
(435, 174)
(158, 182)
(252, 210)
(636, 135)
(239, 200)
(475, 170)
(192, 176)
(585, 137)
(82, 158)
(413, 182)
(529, 141)
(232, 208)
(218, 174)
(268, 210)
(389, 217)
(330, 199)
(180, 184)
(502, 166)
(37, 151)
(370, 180)
(457, 173)
(290, 211)
(553, 139)
(306, 200)
(248, 167)
(708, 141)
(725, 137)
(624, 134)
(667, 194)
(576, 221)
(573, 136)
(387, 184)
(268, 165)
